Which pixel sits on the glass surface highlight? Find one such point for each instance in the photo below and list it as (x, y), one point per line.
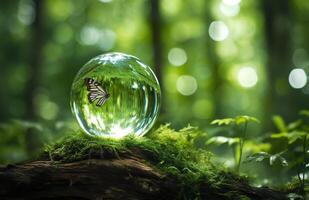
(115, 95)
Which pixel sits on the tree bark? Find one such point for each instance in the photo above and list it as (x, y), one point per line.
(128, 177)
(280, 97)
(34, 72)
(35, 59)
(90, 179)
(155, 24)
(155, 27)
(214, 62)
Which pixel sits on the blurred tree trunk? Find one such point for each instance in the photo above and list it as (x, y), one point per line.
(279, 100)
(155, 23)
(213, 62)
(34, 69)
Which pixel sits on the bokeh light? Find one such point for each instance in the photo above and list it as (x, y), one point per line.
(298, 78)
(107, 40)
(186, 85)
(89, 35)
(25, 13)
(229, 10)
(247, 77)
(231, 2)
(46, 108)
(105, 1)
(60, 15)
(177, 56)
(218, 31)
(171, 7)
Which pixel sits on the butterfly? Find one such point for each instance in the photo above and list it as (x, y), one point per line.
(96, 92)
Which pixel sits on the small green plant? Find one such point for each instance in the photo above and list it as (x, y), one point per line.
(272, 158)
(292, 139)
(241, 124)
(296, 134)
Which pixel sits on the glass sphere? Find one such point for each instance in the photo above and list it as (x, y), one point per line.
(115, 95)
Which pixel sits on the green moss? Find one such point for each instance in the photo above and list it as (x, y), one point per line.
(172, 152)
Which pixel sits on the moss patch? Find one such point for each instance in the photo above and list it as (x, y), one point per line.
(172, 152)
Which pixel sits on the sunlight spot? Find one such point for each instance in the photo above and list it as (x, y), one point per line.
(49, 110)
(105, 1)
(25, 13)
(229, 10)
(99, 121)
(247, 77)
(171, 7)
(89, 35)
(229, 163)
(298, 78)
(135, 85)
(218, 31)
(265, 181)
(119, 132)
(186, 85)
(46, 109)
(107, 40)
(113, 58)
(231, 2)
(177, 57)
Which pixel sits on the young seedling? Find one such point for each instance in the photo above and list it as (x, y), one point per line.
(272, 158)
(240, 122)
(295, 133)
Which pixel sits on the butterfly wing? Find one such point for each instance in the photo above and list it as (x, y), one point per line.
(96, 92)
(101, 101)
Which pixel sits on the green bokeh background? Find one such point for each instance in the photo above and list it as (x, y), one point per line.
(44, 43)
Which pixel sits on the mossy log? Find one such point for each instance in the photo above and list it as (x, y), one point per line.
(163, 165)
(126, 176)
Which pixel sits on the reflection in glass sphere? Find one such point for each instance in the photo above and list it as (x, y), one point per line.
(115, 95)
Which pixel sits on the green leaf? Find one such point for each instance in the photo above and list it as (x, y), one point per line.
(291, 136)
(280, 135)
(245, 119)
(294, 125)
(225, 121)
(295, 135)
(258, 157)
(257, 146)
(279, 123)
(192, 132)
(236, 120)
(277, 157)
(293, 196)
(304, 112)
(218, 140)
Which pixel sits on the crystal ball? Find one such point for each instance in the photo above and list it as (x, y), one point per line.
(115, 95)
